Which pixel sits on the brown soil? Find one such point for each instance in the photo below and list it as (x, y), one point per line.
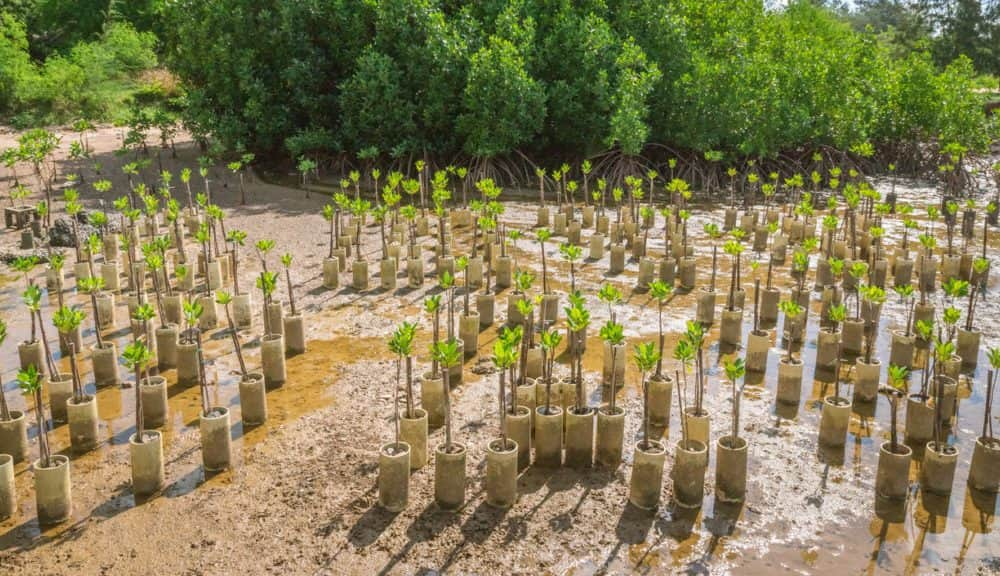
(301, 497)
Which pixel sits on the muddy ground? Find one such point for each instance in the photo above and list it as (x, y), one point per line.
(301, 497)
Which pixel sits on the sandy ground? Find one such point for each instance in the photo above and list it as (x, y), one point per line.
(301, 498)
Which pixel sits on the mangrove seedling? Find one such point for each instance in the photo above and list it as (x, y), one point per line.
(549, 341)
(225, 299)
(646, 356)
(735, 369)
(578, 318)
(30, 382)
(791, 310)
(286, 261)
(67, 320)
(660, 291)
(894, 390)
(401, 344)
(504, 356)
(432, 305)
(447, 354)
(137, 358)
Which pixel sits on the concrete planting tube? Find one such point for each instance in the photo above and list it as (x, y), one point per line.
(154, 401)
(449, 475)
(851, 337)
(173, 308)
(661, 390)
(60, 390)
(901, 349)
(394, 476)
(827, 350)
(14, 436)
(705, 313)
(53, 491)
(617, 264)
(519, 431)
(387, 274)
(8, 490)
(835, 417)
(610, 437)
(789, 381)
(698, 425)
(468, 332)
(253, 399)
(919, 420)
(984, 472)
(295, 335)
(413, 431)
(166, 347)
(580, 437)
(187, 363)
(938, 472)
(866, 380)
(548, 436)
(892, 480)
(331, 273)
(432, 399)
(105, 365)
(758, 344)
(596, 246)
(731, 331)
(243, 311)
(272, 354)
(275, 318)
(83, 421)
(415, 272)
(147, 463)
(485, 307)
(501, 473)
(106, 310)
(646, 482)
(690, 462)
(731, 469)
(30, 353)
(216, 452)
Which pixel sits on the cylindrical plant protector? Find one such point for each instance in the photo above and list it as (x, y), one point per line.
(705, 313)
(30, 354)
(833, 422)
(661, 391)
(984, 472)
(893, 477)
(596, 246)
(81, 271)
(8, 490)
(387, 274)
(154, 401)
(949, 393)
(432, 399)
(166, 347)
(394, 476)
(359, 275)
(731, 331)
(731, 469)
(331, 273)
(573, 232)
(243, 311)
(688, 474)
(559, 228)
(668, 270)
(620, 355)
(938, 473)
(542, 218)
(105, 365)
(535, 363)
(216, 453)
(687, 271)
(866, 377)
(968, 347)
(295, 335)
(698, 425)
(587, 215)
(504, 271)
(827, 350)
(610, 437)
(415, 272)
(923, 312)
(793, 328)
(729, 219)
(580, 437)
(449, 475)
(272, 360)
(603, 224)
(147, 463)
(253, 399)
(173, 308)
(187, 364)
(53, 490)
(485, 308)
(76, 337)
(60, 390)
(919, 420)
(501, 473)
(758, 345)
(950, 267)
(903, 272)
(769, 298)
(468, 331)
(646, 482)
(901, 349)
(106, 316)
(789, 382)
(14, 436)
(514, 316)
(455, 373)
(519, 430)
(928, 274)
(548, 436)
(647, 271)
(527, 396)
(852, 337)
(550, 308)
(209, 319)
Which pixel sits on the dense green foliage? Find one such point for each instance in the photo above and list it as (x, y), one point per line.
(486, 78)
(402, 78)
(98, 79)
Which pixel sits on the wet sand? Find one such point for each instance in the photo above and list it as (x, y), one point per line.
(301, 497)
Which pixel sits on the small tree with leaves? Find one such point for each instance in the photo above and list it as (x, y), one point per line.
(137, 358)
(30, 382)
(447, 354)
(894, 390)
(67, 320)
(646, 356)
